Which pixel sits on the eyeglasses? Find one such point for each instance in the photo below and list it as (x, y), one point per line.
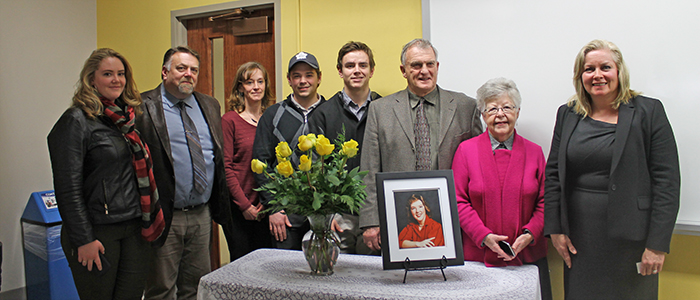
(506, 110)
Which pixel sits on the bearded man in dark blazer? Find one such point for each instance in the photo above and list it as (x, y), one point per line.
(183, 131)
(393, 141)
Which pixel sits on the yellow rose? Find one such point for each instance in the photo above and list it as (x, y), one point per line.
(350, 148)
(323, 145)
(283, 150)
(285, 168)
(257, 166)
(305, 163)
(312, 137)
(305, 142)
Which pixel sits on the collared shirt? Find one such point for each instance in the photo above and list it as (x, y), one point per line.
(432, 113)
(185, 193)
(508, 142)
(351, 106)
(306, 111)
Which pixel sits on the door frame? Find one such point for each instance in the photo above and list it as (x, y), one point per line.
(178, 31)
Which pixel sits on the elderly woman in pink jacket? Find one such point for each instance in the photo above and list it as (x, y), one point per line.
(499, 180)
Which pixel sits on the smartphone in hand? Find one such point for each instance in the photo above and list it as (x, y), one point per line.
(105, 266)
(505, 246)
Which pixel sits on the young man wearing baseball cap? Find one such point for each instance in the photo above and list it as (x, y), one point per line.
(286, 121)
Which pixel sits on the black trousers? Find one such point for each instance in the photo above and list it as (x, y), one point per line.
(244, 236)
(294, 237)
(126, 253)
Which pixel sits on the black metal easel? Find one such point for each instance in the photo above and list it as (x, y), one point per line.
(407, 267)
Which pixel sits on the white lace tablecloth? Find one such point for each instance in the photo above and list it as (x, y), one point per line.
(284, 274)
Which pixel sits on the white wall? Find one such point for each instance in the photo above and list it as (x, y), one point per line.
(535, 43)
(43, 44)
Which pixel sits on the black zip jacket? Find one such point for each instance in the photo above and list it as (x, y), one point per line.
(93, 174)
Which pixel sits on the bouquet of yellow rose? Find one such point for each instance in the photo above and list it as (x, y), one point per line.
(319, 185)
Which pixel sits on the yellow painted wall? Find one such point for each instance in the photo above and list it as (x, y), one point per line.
(385, 26)
(141, 31)
(679, 279)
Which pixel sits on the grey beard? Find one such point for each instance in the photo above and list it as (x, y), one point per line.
(186, 89)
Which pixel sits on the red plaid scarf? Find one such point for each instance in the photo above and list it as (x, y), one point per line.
(152, 220)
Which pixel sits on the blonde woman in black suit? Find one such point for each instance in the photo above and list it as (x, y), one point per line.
(612, 182)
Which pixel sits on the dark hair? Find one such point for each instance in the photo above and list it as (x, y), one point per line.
(236, 101)
(169, 54)
(354, 46)
(415, 198)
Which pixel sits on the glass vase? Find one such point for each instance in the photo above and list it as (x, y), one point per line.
(320, 245)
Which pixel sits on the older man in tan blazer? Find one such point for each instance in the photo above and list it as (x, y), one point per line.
(418, 128)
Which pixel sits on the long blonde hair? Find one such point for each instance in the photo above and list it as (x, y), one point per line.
(87, 97)
(236, 101)
(581, 101)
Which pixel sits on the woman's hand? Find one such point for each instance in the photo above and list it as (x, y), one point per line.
(251, 214)
(521, 242)
(563, 245)
(278, 225)
(89, 253)
(652, 262)
(426, 243)
(420, 244)
(492, 240)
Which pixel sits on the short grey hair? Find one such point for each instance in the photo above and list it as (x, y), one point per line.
(420, 43)
(494, 88)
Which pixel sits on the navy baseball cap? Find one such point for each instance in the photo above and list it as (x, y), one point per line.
(307, 58)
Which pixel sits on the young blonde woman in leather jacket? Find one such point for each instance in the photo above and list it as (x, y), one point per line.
(103, 181)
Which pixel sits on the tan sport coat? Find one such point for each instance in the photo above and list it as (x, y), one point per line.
(389, 142)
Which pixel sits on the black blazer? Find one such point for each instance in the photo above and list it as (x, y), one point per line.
(644, 186)
(154, 131)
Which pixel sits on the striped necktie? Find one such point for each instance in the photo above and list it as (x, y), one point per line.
(199, 171)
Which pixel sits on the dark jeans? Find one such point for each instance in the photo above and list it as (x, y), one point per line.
(125, 251)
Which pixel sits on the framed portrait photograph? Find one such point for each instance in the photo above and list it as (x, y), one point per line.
(418, 219)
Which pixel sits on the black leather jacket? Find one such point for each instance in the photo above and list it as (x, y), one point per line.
(93, 175)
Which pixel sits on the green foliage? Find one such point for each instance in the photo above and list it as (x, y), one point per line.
(326, 188)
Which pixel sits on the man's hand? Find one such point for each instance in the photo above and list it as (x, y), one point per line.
(278, 225)
(335, 226)
(372, 238)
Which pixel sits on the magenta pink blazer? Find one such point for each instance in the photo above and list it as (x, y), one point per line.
(486, 208)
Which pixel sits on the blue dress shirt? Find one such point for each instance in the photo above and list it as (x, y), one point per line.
(185, 193)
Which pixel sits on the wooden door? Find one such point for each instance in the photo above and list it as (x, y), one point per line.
(202, 35)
